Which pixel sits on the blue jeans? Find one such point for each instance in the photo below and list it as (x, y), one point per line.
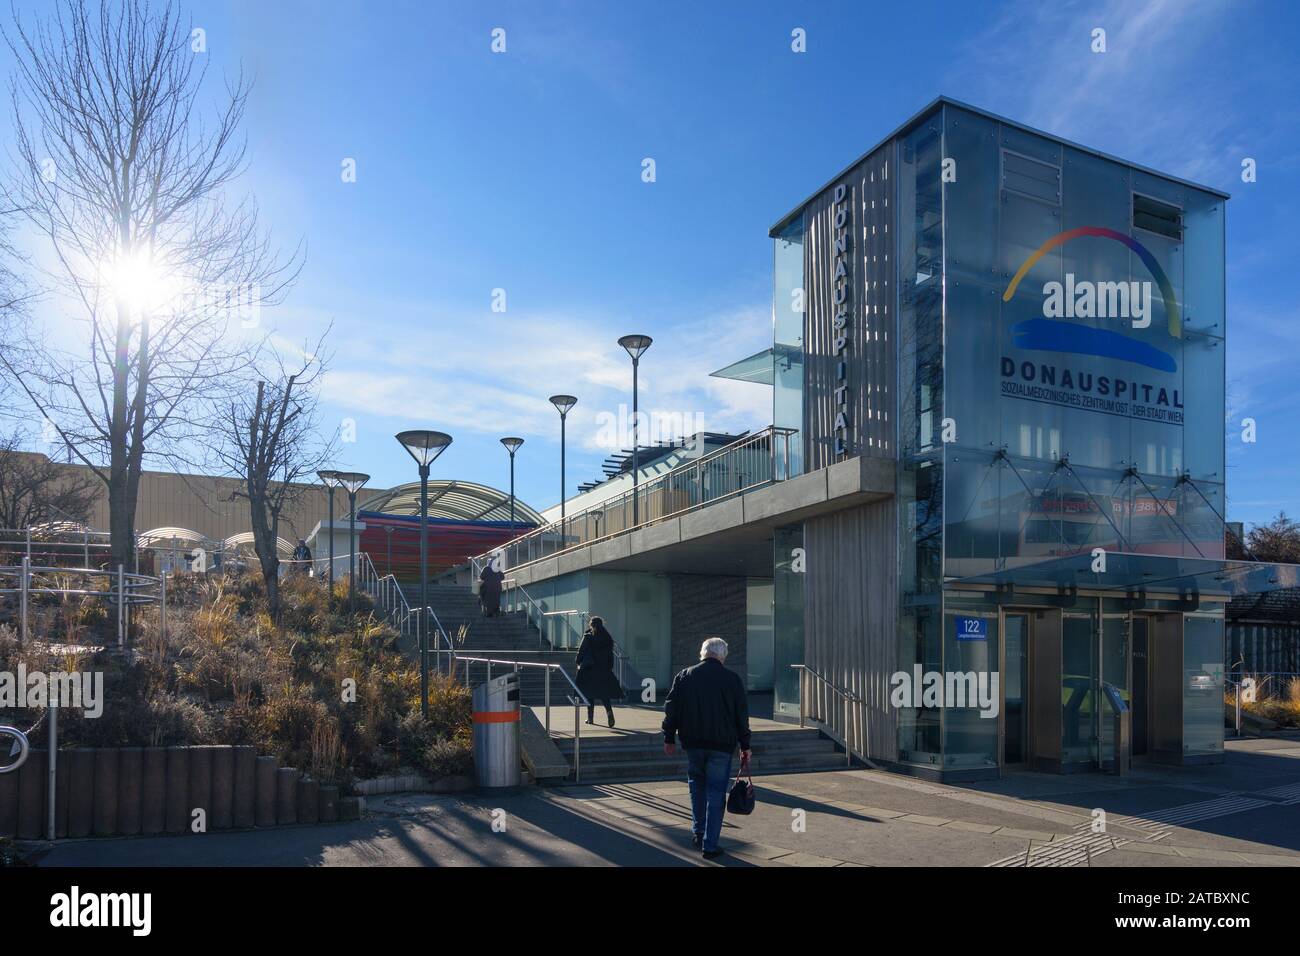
(708, 772)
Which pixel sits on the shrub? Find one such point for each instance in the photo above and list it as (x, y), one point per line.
(446, 757)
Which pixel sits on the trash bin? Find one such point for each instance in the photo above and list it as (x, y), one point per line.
(496, 732)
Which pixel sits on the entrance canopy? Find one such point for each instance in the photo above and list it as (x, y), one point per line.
(1130, 573)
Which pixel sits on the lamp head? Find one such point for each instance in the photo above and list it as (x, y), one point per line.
(512, 445)
(352, 481)
(329, 476)
(635, 345)
(423, 445)
(563, 403)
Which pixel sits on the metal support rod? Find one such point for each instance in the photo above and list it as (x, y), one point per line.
(85, 547)
(24, 587)
(52, 780)
(577, 744)
(636, 460)
(546, 697)
(121, 606)
(352, 551)
(563, 416)
(162, 605)
(331, 532)
(424, 593)
(848, 747)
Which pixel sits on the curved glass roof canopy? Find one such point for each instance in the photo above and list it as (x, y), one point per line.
(452, 501)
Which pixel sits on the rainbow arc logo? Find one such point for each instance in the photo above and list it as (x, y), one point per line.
(1055, 336)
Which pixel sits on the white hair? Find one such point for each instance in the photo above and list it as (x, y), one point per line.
(714, 647)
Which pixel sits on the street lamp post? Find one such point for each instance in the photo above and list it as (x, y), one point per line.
(635, 345)
(353, 482)
(512, 446)
(424, 446)
(562, 404)
(330, 478)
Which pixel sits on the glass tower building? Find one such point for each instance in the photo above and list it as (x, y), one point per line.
(1033, 332)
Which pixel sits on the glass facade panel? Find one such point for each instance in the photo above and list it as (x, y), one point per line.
(1078, 688)
(1087, 356)
(921, 403)
(787, 336)
(787, 619)
(1202, 684)
(1115, 643)
(970, 725)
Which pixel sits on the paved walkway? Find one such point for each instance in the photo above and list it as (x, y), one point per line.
(629, 721)
(1245, 812)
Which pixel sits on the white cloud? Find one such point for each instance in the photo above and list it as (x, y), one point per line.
(494, 374)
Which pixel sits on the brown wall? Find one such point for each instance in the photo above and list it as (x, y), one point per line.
(125, 791)
(204, 504)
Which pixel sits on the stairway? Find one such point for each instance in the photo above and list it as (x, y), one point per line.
(640, 757)
(509, 636)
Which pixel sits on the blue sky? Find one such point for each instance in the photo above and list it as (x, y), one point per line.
(522, 171)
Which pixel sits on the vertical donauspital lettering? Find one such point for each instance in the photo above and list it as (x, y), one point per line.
(842, 317)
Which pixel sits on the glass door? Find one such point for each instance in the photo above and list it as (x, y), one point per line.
(1015, 686)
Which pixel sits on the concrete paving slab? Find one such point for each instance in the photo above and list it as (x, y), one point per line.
(974, 827)
(1039, 835)
(808, 859)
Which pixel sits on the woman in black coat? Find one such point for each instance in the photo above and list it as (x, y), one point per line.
(489, 590)
(595, 662)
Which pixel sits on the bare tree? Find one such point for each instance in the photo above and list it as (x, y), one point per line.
(35, 490)
(117, 169)
(269, 436)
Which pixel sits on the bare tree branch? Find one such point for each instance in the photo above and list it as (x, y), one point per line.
(117, 166)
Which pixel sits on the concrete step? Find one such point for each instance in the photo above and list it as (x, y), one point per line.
(665, 768)
(767, 738)
(599, 755)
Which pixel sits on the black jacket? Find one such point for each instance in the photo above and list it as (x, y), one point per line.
(595, 662)
(708, 707)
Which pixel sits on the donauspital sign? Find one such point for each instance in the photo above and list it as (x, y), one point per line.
(1145, 387)
(841, 323)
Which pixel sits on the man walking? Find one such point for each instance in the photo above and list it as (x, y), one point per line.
(708, 707)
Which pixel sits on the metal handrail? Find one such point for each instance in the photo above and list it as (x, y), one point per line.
(620, 655)
(849, 699)
(577, 698)
(748, 445)
(392, 599)
(131, 589)
(24, 747)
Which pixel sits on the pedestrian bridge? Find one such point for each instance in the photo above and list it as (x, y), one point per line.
(729, 534)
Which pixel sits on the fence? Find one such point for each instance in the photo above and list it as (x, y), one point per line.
(752, 462)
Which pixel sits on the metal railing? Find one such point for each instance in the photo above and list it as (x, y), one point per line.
(578, 699)
(538, 615)
(388, 596)
(20, 748)
(850, 700)
(125, 590)
(748, 463)
(1264, 687)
